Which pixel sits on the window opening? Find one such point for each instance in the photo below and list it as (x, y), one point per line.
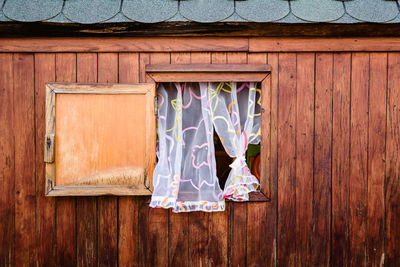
(203, 133)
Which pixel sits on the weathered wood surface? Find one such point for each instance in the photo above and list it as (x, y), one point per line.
(191, 28)
(334, 167)
(199, 44)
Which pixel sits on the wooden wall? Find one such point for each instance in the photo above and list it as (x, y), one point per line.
(335, 163)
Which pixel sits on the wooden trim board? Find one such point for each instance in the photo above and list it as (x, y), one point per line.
(208, 72)
(198, 44)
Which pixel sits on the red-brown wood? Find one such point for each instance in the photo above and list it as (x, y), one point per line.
(178, 246)
(126, 44)
(322, 160)
(256, 212)
(199, 221)
(289, 44)
(86, 207)
(358, 158)
(66, 206)
(364, 140)
(238, 210)
(218, 223)
(108, 206)
(7, 169)
(153, 223)
(304, 157)
(128, 230)
(24, 138)
(45, 207)
(340, 158)
(376, 157)
(272, 212)
(392, 170)
(286, 160)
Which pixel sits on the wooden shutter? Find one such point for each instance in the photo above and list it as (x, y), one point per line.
(100, 139)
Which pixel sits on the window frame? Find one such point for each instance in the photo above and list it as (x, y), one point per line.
(51, 187)
(229, 72)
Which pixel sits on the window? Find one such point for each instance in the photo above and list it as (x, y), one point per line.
(99, 139)
(184, 179)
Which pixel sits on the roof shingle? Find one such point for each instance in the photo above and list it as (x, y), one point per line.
(32, 10)
(204, 11)
(83, 11)
(317, 10)
(372, 10)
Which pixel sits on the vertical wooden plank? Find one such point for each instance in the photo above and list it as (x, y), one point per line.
(144, 244)
(86, 207)
(108, 206)
(7, 172)
(256, 213)
(218, 222)
(286, 160)
(376, 157)
(24, 138)
(304, 157)
(199, 221)
(322, 160)
(66, 206)
(340, 159)
(153, 223)
(238, 210)
(178, 247)
(392, 185)
(358, 157)
(128, 206)
(45, 71)
(272, 207)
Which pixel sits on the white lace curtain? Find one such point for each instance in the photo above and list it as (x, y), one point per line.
(185, 176)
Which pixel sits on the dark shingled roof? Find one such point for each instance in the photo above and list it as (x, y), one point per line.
(205, 11)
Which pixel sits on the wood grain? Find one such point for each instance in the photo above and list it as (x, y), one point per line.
(286, 160)
(7, 169)
(304, 157)
(218, 222)
(207, 68)
(199, 221)
(340, 159)
(208, 77)
(376, 157)
(256, 212)
(178, 238)
(107, 206)
(238, 214)
(45, 207)
(358, 158)
(66, 207)
(272, 211)
(127, 44)
(321, 238)
(128, 230)
(301, 44)
(392, 187)
(24, 141)
(155, 236)
(86, 208)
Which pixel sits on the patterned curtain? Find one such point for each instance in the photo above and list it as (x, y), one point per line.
(185, 175)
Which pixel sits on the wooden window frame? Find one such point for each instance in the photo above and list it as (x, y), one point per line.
(229, 72)
(52, 189)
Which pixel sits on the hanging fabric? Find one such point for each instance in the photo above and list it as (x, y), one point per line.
(185, 175)
(236, 112)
